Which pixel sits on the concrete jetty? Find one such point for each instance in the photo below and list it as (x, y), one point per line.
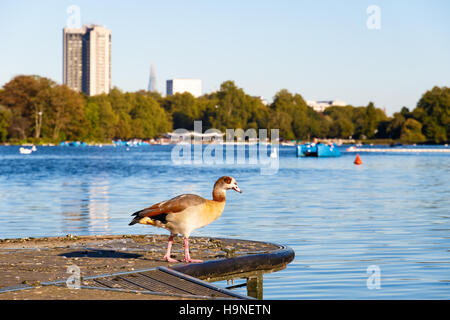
(131, 267)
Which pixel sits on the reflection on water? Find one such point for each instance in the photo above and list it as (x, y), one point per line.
(98, 207)
(85, 207)
(392, 212)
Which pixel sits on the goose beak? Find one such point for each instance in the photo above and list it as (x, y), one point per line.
(236, 188)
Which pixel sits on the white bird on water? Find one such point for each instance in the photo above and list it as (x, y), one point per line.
(274, 154)
(23, 150)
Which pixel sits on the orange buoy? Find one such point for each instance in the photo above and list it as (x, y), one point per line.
(358, 160)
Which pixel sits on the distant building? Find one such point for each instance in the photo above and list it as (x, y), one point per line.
(87, 59)
(193, 86)
(152, 80)
(263, 100)
(320, 106)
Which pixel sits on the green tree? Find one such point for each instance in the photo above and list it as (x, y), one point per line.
(25, 97)
(412, 131)
(366, 121)
(121, 107)
(283, 113)
(340, 124)
(394, 127)
(283, 122)
(231, 107)
(433, 111)
(101, 117)
(5, 121)
(294, 117)
(65, 114)
(148, 118)
(185, 109)
(406, 113)
(42, 108)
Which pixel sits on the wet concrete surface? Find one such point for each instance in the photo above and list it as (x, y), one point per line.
(31, 261)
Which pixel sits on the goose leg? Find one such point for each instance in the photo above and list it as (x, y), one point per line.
(187, 256)
(169, 248)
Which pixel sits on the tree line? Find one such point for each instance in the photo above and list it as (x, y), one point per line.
(37, 109)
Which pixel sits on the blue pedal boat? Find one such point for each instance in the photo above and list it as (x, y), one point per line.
(318, 150)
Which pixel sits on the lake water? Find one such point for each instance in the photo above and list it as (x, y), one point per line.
(392, 212)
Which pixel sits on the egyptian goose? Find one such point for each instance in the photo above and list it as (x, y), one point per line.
(185, 213)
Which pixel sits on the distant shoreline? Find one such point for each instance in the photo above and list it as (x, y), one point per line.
(392, 143)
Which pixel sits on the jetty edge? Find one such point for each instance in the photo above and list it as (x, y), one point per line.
(37, 268)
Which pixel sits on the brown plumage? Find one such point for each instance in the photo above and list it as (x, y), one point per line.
(185, 213)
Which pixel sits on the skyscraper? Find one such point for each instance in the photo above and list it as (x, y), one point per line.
(87, 59)
(152, 80)
(73, 58)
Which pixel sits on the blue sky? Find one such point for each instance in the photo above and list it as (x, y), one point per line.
(320, 49)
